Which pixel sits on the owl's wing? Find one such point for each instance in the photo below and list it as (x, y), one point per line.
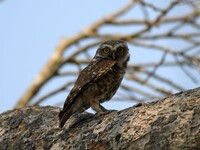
(90, 73)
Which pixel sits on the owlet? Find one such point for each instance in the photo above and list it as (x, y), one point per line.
(99, 81)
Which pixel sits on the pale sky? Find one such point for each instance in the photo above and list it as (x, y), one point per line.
(31, 30)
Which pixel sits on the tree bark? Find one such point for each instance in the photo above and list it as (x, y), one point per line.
(167, 124)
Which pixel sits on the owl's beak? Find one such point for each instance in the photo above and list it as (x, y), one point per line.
(113, 56)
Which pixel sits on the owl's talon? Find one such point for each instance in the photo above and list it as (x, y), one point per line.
(104, 112)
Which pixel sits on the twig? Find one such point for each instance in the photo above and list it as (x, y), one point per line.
(52, 93)
(156, 67)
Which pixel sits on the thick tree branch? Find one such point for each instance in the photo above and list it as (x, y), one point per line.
(170, 123)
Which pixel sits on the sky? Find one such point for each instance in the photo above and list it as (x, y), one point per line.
(30, 32)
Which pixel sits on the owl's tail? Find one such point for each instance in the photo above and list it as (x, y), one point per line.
(63, 117)
(68, 111)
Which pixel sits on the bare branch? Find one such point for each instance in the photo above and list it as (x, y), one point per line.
(186, 58)
(52, 93)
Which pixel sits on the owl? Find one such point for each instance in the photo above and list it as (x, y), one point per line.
(99, 81)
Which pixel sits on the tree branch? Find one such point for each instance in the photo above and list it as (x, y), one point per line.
(170, 123)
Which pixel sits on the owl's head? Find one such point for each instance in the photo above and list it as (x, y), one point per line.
(116, 50)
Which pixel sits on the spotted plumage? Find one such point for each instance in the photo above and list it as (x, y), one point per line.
(99, 81)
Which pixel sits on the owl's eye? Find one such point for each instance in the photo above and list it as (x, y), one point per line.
(120, 49)
(106, 50)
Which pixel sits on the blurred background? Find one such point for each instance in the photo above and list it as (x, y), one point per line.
(44, 45)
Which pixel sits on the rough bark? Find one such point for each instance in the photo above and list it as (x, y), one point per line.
(170, 123)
